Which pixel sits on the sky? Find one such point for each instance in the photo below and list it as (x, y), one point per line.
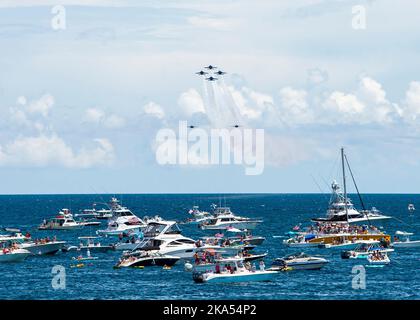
(82, 106)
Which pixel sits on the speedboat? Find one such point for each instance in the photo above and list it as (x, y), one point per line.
(88, 243)
(299, 261)
(405, 242)
(63, 221)
(232, 270)
(13, 254)
(224, 219)
(363, 250)
(42, 246)
(147, 258)
(378, 259)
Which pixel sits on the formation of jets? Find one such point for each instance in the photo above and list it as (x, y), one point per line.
(211, 78)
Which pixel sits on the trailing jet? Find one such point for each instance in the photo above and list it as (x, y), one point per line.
(220, 72)
(201, 73)
(211, 79)
(210, 67)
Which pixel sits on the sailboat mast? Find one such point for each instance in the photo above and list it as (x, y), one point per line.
(344, 183)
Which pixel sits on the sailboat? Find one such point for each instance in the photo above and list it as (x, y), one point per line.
(341, 209)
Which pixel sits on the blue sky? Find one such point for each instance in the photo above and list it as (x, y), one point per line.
(81, 106)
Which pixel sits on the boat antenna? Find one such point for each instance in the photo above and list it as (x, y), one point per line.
(344, 183)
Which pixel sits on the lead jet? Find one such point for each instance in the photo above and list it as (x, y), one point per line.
(210, 67)
(211, 79)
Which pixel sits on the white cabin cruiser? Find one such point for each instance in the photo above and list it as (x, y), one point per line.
(63, 221)
(123, 221)
(166, 238)
(405, 242)
(224, 219)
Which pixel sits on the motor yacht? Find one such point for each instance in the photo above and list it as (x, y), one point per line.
(224, 219)
(63, 221)
(123, 221)
(198, 216)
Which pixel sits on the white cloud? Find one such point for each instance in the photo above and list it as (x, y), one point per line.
(191, 102)
(317, 76)
(93, 115)
(294, 106)
(21, 100)
(114, 121)
(99, 117)
(411, 105)
(154, 110)
(42, 105)
(46, 150)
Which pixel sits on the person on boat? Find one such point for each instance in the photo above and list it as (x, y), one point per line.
(254, 267)
(196, 258)
(262, 265)
(217, 268)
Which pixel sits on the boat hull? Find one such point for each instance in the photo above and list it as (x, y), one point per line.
(406, 244)
(43, 249)
(233, 278)
(151, 261)
(249, 225)
(16, 256)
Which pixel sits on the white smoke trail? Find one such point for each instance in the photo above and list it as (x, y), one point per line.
(230, 102)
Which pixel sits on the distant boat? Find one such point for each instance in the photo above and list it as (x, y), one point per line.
(406, 242)
(411, 208)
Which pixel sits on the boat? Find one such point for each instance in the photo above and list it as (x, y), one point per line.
(63, 221)
(363, 250)
(405, 242)
(88, 243)
(123, 221)
(232, 270)
(147, 258)
(13, 254)
(411, 208)
(223, 218)
(165, 237)
(198, 216)
(378, 258)
(341, 209)
(345, 244)
(44, 246)
(129, 242)
(300, 261)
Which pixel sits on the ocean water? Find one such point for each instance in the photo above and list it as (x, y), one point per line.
(31, 279)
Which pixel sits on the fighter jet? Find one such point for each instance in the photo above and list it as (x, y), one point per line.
(210, 67)
(220, 72)
(236, 126)
(211, 79)
(201, 73)
(192, 127)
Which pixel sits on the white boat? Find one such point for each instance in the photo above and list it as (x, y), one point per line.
(346, 244)
(123, 221)
(198, 216)
(224, 219)
(299, 261)
(42, 247)
(405, 242)
(147, 258)
(363, 250)
(63, 221)
(13, 255)
(86, 258)
(166, 238)
(341, 209)
(89, 243)
(378, 259)
(411, 208)
(232, 270)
